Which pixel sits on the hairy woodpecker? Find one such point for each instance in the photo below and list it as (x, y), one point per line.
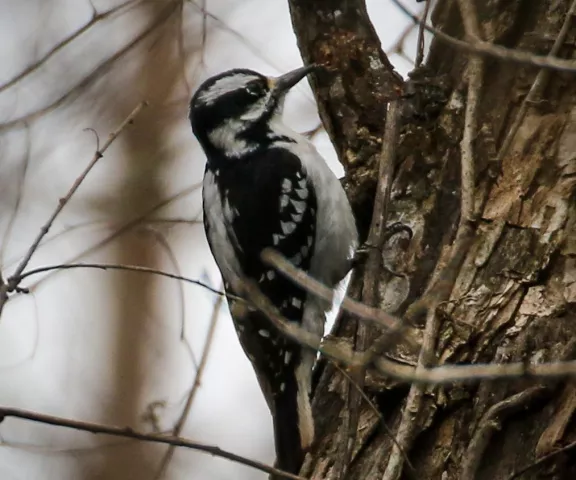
(266, 186)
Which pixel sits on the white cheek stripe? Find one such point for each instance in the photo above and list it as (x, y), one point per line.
(225, 85)
(225, 138)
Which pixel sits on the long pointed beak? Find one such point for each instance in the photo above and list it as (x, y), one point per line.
(281, 85)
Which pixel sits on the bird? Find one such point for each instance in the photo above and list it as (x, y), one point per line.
(266, 186)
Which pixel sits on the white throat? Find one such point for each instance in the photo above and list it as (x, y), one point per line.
(228, 136)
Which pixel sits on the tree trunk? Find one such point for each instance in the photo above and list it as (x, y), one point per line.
(511, 294)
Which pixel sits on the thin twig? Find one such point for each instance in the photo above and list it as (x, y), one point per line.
(95, 74)
(490, 423)
(96, 18)
(128, 432)
(372, 273)
(128, 268)
(62, 202)
(162, 240)
(446, 374)
(302, 279)
(13, 281)
(121, 230)
(449, 374)
(177, 430)
(339, 351)
(440, 289)
(409, 421)
(421, 45)
(470, 20)
(375, 409)
(398, 47)
(376, 236)
(20, 193)
(537, 87)
(544, 459)
(495, 51)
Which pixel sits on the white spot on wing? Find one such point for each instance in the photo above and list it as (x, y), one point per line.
(264, 333)
(287, 227)
(286, 185)
(296, 217)
(284, 201)
(287, 357)
(270, 274)
(302, 193)
(297, 303)
(296, 259)
(304, 250)
(282, 386)
(298, 205)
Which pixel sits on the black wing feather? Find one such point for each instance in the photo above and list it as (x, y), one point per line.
(270, 202)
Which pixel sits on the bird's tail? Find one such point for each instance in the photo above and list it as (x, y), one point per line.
(293, 425)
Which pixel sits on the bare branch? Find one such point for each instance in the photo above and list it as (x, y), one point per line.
(398, 46)
(409, 421)
(163, 16)
(372, 271)
(121, 230)
(301, 278)
(375, 409)
(176, 266)
(567, 448)
(128, 268)
(13, 281)
(177, 430)
(128, 432)
(14, 214)
(96, 18)
(495, 51)
(341, 352)
(537, 87)
(421, 46)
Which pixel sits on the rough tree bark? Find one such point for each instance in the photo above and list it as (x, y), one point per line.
(514, 297)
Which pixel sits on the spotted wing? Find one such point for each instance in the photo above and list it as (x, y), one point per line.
(268, 201)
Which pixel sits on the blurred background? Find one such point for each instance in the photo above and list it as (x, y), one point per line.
(116, 347)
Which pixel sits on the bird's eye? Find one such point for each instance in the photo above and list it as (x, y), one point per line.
(254, 89)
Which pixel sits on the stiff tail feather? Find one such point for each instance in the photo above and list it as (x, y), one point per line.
(292, 426)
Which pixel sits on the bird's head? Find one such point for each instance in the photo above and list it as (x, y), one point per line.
(231, 113)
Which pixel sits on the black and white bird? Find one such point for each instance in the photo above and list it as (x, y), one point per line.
(266, 186)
